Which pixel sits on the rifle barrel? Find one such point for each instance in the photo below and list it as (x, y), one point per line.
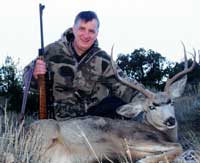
(41, 8)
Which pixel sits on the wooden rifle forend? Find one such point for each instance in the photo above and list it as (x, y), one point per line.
(42, 97)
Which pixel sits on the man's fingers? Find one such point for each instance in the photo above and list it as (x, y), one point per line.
(40, 68)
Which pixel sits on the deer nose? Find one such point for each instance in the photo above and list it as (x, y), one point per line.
(170, 121)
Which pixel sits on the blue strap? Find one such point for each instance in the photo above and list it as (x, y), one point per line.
(27, 81)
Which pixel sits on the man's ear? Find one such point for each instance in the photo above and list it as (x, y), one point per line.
(178, 87)
(131, 110)
(73, 29)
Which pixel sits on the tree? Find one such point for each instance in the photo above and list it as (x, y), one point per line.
(11, 77)
(147, 67)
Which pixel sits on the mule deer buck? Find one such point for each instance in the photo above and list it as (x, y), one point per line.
(98, 139)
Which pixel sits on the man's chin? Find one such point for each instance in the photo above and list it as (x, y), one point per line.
(85, 47)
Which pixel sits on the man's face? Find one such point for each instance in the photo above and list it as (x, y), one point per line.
(85, 34)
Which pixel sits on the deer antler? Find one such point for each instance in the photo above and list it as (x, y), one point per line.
(182, 73)
(146, 93)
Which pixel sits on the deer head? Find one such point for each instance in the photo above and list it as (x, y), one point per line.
(158, 107)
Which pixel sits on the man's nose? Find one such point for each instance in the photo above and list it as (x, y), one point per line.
(86, 36)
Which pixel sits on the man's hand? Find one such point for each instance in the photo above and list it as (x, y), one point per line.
(40, 68)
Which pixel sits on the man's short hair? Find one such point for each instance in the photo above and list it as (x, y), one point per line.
(87, 16)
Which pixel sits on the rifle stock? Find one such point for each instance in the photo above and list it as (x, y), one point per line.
(41, 78)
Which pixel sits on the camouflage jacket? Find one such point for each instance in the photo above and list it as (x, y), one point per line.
(80, 85)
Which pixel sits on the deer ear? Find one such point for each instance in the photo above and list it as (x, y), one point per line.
(130, 110)
(177, 88)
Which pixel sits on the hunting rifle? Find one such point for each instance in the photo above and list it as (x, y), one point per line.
(45, 95)
(41, 78)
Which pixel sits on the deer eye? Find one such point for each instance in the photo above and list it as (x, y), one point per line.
(152, 107)
(172, 103)
(155, 104)
(169, 101)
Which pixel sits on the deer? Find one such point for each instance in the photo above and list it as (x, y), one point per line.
(93, 139)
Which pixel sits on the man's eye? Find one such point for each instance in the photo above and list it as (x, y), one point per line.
(92, 31)
(152, 107)
(81, 29)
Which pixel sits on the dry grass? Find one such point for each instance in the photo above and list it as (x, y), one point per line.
(15, 145)
(188, 116)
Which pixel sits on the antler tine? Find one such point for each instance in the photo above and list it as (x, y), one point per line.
(185, 56)
(182, 73)
(125, 82)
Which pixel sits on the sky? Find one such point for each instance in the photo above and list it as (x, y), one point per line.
(159, 25)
